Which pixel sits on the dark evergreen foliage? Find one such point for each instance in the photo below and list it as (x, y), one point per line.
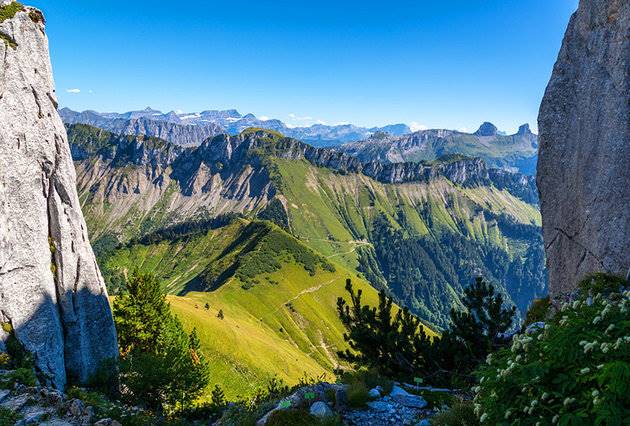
(162, 368)
(394, 342)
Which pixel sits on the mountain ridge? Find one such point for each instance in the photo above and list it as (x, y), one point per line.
(188, 129)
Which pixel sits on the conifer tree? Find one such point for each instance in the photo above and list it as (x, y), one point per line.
(162, 367)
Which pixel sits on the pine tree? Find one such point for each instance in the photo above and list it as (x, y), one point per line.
(396, 344)
(162, 367)
(475, 331)
(218, 397)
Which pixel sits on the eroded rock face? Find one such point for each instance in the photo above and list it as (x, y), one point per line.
(584, 157)
(51, 290)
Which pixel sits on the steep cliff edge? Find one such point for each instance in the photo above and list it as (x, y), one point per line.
(51, 290)
(584, 158)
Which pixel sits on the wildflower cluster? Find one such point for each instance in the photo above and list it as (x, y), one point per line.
(575, 370)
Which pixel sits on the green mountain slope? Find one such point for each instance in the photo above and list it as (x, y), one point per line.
(278, 298)
(423, 241)
(421, 231)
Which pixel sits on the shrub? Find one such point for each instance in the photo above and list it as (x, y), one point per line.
(357, 394)
(9, 11)
(291, 417)
(575, 371)
(24, 376)
(8, 417)
(370, 377)
(538, 311)
(462, 413)
(397, 345)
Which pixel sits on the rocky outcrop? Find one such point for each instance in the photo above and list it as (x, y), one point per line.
(515, 152)
(51, 290)
(584, 159)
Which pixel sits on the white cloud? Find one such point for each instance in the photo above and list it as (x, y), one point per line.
(415, 126)
(73, 91)
(90, 91)
(263, 118)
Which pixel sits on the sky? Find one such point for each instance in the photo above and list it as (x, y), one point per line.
(431, 64)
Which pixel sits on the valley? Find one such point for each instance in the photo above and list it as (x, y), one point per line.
(267, 229)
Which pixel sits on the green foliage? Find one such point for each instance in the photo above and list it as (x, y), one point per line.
(538, 311)
(357, 394)
(371, 377)
(291, 417)
(22, 375)
(161, 366)
(475, 331)
(461, 413)
(275, 212)
(18, 356)
(8, 417)
(9, 11)
(218, 397)
(37, 17)
(398, 346)
(575, 371)
(600, 283)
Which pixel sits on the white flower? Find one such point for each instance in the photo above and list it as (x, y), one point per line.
(508, 413)
(555, 419)
(595, 393)
(610, 328)
(585, 370)
(483, 417)
(544, 396)
(597, 319)
(534, 403)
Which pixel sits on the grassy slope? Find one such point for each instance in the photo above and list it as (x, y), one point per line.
(333, 212)
(286, 325)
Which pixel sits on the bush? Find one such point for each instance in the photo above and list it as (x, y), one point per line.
(8, 417)
(357, 394)
(538, 311)
(462, 413)
(291, 417)
(370, 377)
(575, 371)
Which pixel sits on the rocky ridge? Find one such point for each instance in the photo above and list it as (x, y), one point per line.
(515, 152)
(191, 129)
(52, 296)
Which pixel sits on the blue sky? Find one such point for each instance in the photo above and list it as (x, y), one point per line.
(440, 63)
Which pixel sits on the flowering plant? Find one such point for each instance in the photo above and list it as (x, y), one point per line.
(573, 371)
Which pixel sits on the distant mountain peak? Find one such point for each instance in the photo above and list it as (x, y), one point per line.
(524, 130)
(487, 129)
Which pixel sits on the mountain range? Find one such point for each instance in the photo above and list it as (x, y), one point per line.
(517, 152)
(390, 144)
(189, 129)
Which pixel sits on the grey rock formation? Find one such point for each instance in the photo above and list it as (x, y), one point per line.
(584, 158)
(51, 290)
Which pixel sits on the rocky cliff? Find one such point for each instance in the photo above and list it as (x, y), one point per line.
(51, 291)
(584, 158)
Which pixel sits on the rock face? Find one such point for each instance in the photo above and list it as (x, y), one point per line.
(51, 290)
(584, 158)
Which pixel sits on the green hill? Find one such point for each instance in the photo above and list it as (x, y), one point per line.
(278, 298)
